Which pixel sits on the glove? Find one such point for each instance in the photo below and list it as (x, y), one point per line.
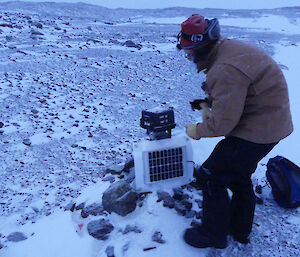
(191, 131)
(206, 112)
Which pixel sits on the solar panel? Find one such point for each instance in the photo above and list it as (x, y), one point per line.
(165, 164)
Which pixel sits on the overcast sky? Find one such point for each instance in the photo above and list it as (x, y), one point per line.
(226, 4)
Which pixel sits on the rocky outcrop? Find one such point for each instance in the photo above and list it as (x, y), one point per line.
(119, 198)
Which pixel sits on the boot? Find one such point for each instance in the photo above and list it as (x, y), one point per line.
(197, 237)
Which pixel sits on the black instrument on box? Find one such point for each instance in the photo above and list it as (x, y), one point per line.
(158, 123)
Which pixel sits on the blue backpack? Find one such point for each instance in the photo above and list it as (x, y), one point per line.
(284, 178)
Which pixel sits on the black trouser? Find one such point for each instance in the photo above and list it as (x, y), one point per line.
(230, 165)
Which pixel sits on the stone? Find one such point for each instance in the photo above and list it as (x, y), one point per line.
(80, 206)
(196, 224)
(36, 33)
(1, 245)
(130, 228)
(199, 203)
(110, 251)
(1, 124)
(187, 204)
(125, 248)
(16, 237)
(168, 201)
(8, 38)
(37, 24)
(100, 229)
(190, 214)
(27, 142)
(34, 111)
(116, 170)
(119, 198)
(199, 215)
(94, 209)
(178, 193)
(35, 209)
(110, 178)
(130, 43)
(70, 206)
(158, 237)
(181, 209)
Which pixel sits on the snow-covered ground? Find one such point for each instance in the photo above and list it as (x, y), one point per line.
(71, 96)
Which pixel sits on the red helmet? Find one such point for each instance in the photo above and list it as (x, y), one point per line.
(198, 32)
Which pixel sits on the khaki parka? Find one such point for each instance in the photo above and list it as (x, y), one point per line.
(248, 92)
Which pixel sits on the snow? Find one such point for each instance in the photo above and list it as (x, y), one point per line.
(79, 104)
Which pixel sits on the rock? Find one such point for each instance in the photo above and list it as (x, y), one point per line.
(178, 193)
(130, 228)
(37, 24)
(117, 170)
(8, 38)
(110, 178)
(6, 25)
(100, 229)
(129, 43)
(110, 251)
(157, 237)
(168, 201)
(16, 237)
(125, 248)
(27, 142)
(185, 197)
(35, 209)
(128, 165)
(70, 206)
(1, 124)
(181, 209)
(190, 188)
(114, 41)
(36, 33)
(199, 202)
(80, 206)
(1, 245)
(34, 111)
(190, 214)
(94, 209)
(196, 224)
(119, 198)
(199, 215)
(187, 204)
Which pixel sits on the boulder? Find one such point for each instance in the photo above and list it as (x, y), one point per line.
(119, 198)
(100, 229)
(16, 237)
(168, 201)
(94, 209)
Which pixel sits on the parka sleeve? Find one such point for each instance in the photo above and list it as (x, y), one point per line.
(228, 88)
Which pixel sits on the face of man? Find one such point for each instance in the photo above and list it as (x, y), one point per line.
(199, 57)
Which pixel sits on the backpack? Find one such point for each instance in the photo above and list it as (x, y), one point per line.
(284, 178)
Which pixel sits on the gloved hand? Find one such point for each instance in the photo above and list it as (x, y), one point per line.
(206, 112)
(191, 131)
